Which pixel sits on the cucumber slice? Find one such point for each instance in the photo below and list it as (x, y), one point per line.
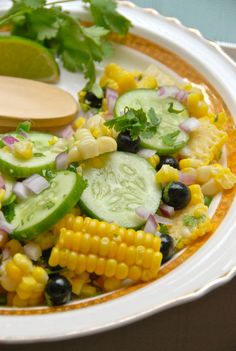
(40, 212)
(147, 98)
(44, 157)
(124, 182)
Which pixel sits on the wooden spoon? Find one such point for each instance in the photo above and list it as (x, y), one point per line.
(43, 104)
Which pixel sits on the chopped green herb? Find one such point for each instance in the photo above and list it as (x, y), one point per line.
(164, 229)
(137, 122)
(24, 126)
(11, 199)
(169, 139)
(191, 221)
(171, 109)
(73, 167)
(9, 211)
(207, 200)
(38, 154)
(1, 144)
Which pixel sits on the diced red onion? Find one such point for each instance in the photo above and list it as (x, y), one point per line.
(172, 91)
(66, 132)
(107, 116)
(151, 224)
(62, 161)
(20, 190)
(163, 220)
(33, 251)
(142, 212)
(2, 183)
(6, 227)
(36, 183)
(146, 153)
(187, 179)
(5, 254)
(111, 97)
(24, 134)
(167, 211)
(9, 140)
(190, 125)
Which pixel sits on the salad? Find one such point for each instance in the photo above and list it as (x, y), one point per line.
(111, 198)
(107, 201)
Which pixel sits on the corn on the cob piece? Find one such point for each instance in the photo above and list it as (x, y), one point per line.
(86, 146)
(205, 143)
(191, 222)
(106, 249)
(25, 281)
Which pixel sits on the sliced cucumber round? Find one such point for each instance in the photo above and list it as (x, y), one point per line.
(124, 182)
(40, 212)
(169, 137)
(43, 157)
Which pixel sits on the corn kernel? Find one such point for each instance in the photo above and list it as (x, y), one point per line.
(167, 174)
(14, 246)
(111, 284)
(23, 262)
(53, 140)
(13, 271)
(154, 160)
(147, 82)
(79, 122)
(3, 238)
(88, 290)
(23, 149)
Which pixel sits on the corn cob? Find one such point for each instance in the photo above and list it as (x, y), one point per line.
(25, 282)
(88, 245)
(205, 143)
(191, 222)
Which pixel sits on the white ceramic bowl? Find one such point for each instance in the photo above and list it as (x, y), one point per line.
(210, 266)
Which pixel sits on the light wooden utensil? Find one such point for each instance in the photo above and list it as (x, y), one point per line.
(46, 106)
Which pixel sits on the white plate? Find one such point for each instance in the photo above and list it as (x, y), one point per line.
(212, 265)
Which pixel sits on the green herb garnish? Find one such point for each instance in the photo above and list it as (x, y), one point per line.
(169, 139)
(38, 154)
(191, 221)
(136, 122)
(207, 200)
(163, 229)
(9, 211)
(77, 46)
(171, 109)
(23, 127)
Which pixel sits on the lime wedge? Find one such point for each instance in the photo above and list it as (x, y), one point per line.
(24, 58)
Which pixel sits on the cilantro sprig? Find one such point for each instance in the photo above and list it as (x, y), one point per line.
(136, 122)
(77, 46)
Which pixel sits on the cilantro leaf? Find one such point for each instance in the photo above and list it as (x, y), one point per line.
(171, 109)
(24, 126)
(136, 122)
(191, 221)
(169, 139)
(207, 200)
(104, 14)
(164, 229)
(34, 4)
(9, 211)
